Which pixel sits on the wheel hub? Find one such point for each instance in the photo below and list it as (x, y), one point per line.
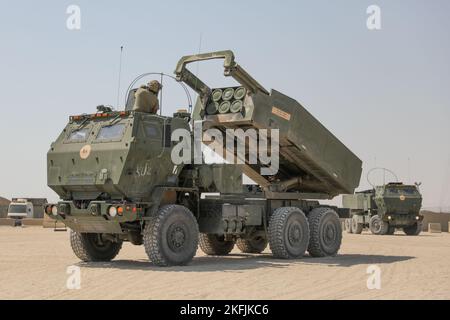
(377, 225)
(176, 237)
(329, 234)
(295, 234)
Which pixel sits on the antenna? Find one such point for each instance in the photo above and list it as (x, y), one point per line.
(409, 170)
(120, 74)
(199, 50)
(384, 175)
(198, 64)
(161, 95)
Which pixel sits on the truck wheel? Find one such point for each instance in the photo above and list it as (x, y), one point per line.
(390, 231)
(348, 225)
(93, 247)
(288, 233)
(377, 226)
(255, 244)
(171, 238)
(356, 226)
(413, 230)
(325, 232)
(215, 245)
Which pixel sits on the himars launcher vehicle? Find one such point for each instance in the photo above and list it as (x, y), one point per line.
(385, 208)
(117, 181)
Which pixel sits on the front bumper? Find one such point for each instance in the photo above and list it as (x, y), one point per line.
(402, 220)
(95, 218)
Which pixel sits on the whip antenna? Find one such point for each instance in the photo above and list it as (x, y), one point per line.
(197, 65)
(120, 74)
(161, 95)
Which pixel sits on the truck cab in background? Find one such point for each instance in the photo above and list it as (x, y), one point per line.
(384, 209)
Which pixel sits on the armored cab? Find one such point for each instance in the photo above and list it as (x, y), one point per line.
(113, 155)
(109, 160)
(385, 208)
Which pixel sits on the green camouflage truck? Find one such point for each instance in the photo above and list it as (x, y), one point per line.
(117, 180)
(385, 208)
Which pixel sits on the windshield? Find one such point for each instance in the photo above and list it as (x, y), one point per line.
(114, 132)
(393, 190)
(403, 190)
(410, 190)
(78, 135)
(17, 208)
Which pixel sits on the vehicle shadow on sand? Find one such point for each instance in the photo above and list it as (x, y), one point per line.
(242, 262)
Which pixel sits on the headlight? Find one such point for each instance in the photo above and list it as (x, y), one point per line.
(389, 217)
(417, 218)
(55, 210)
(112, 211)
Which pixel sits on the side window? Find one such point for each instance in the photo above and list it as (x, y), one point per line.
(111, 133)
(151, 130)
(78, 135)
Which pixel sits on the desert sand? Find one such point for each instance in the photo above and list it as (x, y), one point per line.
(34, 261)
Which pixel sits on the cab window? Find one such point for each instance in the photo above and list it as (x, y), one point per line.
(79, 135)
(17, 208)
(151, 130)
(109, 133)
(393, 190)
(409, 190)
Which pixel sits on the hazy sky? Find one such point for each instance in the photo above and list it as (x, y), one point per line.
(384, 93)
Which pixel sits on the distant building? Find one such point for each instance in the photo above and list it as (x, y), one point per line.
(435, 217)
(4, 204)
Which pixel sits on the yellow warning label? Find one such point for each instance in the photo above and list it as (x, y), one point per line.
(281, 113)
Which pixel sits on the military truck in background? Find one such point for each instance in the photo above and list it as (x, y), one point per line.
(385, 208)
(117, 182)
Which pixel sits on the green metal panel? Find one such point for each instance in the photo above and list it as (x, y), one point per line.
(359, 201)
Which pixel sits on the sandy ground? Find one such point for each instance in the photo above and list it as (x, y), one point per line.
(34, 261)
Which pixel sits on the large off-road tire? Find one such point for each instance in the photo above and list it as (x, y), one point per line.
(288, 233)
(93, 247)
(325, 232)
(390, 231)
(171, 237)
(256, 243)
(377, 226)
(413, 230)
(215, 245)
(357, 227)
(348, 225)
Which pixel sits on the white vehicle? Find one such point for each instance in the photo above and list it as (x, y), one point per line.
(20, 209)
